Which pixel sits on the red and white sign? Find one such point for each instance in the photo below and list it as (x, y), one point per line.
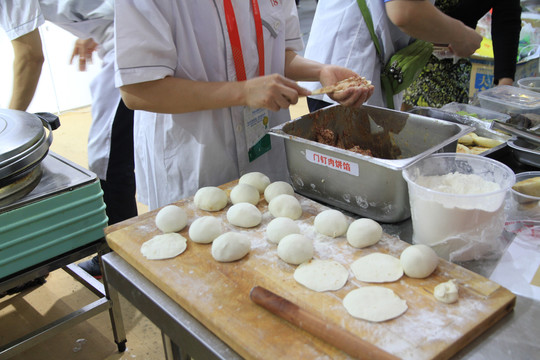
(332, 162)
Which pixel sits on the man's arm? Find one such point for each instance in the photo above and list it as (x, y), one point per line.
(26, 69)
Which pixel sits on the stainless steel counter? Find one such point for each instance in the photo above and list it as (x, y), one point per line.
(513, 337)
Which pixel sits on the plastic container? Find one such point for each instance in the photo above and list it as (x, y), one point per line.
(530, 83)
(475, 112)
(521, 206)
(510, 100)
(458, 204)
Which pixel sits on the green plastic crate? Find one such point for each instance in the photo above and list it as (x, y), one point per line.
(50, 227)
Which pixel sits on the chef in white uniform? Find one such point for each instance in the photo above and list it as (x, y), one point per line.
(340, 36)
(110, 141)
(205, 120)
(89, 19)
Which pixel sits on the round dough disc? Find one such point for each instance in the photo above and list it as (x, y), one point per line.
(374, 303)
(419, 261)
(205, 229)
(245, 215)
(256, 179)
(230, 246)
(331, 223)
(321, 275)
(280, 227)
(210, 198)
(377, 268)
(285, 205)
(164, 246)
(295, 249)
(277, 188)
(245, 193)
(171, 218)
(364, 232)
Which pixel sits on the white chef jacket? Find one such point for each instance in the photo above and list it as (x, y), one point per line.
(84, 19)
(176, 154)
(340, 36)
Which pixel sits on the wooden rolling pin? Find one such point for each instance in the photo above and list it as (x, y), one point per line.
(332, 334)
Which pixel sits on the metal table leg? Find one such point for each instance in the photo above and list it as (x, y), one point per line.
(106, 301)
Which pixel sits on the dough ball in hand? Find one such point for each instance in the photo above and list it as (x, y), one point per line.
(164, 246)
(295, 249)
(280, 227)
(364, 232)
(171, 218)
(205, 229)
(210, 198)
(331, 223)
(256, 179)
(277, 188)
(245, 193)
(245, 215)
(230, 246)
(419, 261)
(285, 205)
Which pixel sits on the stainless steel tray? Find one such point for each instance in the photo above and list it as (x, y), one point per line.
(370, 186)
(525, 152)
(481, 127)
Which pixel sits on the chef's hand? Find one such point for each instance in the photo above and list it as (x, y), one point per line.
(354, 96)
(273, 92)
(83, 49)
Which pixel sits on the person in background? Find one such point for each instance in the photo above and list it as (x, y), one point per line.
(339, 35)
(202, 114)
(110, 142)
(443, 81)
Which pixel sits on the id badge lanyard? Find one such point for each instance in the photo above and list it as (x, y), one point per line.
(256, 121)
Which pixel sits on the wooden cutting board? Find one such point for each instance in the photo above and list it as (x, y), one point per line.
(217, 294)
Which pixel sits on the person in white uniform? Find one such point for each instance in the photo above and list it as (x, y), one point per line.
(339, 35)
(201, 114)
(110, 141)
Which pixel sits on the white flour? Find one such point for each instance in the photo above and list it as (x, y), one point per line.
(457, 220)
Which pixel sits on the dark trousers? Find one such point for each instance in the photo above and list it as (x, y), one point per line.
(119, 188)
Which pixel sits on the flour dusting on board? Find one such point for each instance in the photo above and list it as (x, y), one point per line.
(199, 283)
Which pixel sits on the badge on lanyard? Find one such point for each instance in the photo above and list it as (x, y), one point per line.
(255, 120)
(256, 130)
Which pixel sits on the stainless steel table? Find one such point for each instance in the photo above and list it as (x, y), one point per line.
(513, 337)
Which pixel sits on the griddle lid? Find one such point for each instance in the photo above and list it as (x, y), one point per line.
(23, 140)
